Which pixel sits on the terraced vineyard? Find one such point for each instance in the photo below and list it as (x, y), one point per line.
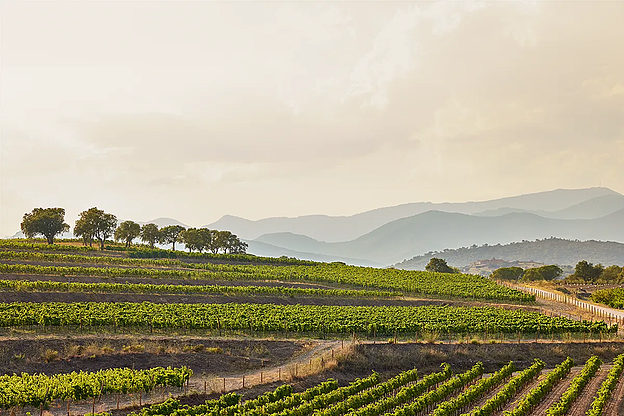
(563, 390)
(409, 282)
(246, 307)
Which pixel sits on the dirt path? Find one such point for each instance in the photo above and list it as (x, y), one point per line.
(616, 404)
(556, 392)
(309, 362)
(584, 401)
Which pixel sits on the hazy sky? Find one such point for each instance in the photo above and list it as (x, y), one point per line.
(197, 109)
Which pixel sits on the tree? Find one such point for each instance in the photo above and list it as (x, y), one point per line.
(95, 224)
(171, 234)
(150, 234)
(439, 265)
(587, 271)
(550, 272)
(611, 274)
(127, 231)
(193, 239)
(48, 222)
(508, 273)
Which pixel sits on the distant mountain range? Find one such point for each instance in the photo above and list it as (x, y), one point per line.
(436, 230)
(389, 235)
(548, 251)
(346, 228)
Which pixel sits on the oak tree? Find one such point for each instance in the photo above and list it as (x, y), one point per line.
(48, 222)
(95, 224)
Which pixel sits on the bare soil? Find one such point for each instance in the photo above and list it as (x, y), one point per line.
(519, 395)
(54, 354)
(68, 297)
(583, 403)
(428, 357)
(555, 394)
(616, 404)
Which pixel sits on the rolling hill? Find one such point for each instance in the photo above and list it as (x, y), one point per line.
(346, 228)
(436, 230)
(548, 251)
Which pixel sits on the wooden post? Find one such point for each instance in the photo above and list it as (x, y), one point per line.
(223, 384)
(243, 381)
(279, 374)
(261, 376)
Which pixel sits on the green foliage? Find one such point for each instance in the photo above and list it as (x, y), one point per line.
(150, 234)
(171, 234)
(472, 393)
(316, 319)
(586, 272)
(535, 396)
(444, 390)
(611, 297)
(561, 407)
(508, 391)
(39, 389)
(404, 395)
(127, 231)
(95, 224)
(75, 287)
(439, 266)
(48, 222)
(550, 272)
(507, 273)
(607, 387)
(455, 285)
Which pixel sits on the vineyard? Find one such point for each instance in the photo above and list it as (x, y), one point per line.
(54, 332)
(507, 391)
(409, 282)
(297, 318)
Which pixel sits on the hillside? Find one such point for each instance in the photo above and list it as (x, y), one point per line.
(547, 251)
(436, 230)
(345, 228)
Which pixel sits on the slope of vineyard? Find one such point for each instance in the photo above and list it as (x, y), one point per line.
(157, 308)
(295, 318)
(469, 393)
(413, 282)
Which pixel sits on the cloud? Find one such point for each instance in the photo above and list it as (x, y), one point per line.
(302, 108)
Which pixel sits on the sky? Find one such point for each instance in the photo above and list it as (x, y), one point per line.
(196, 109)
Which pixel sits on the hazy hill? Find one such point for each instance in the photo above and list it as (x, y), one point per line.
(547, 251)
(267, 250)
(346, 228)
(436, 230)
(592, 208)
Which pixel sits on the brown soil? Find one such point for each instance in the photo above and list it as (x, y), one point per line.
(52, 355)
(428, 357)
(616, 404)
(67, 297)
(519, 395)
(486, 396)
(556, 392)
(583, 403)
(163, 281)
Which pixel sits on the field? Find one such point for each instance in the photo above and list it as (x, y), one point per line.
(239, 334)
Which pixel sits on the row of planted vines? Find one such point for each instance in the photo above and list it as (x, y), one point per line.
(471, 393)
(20, 390)
(295, 318)
(75, 287)
(414, 282)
